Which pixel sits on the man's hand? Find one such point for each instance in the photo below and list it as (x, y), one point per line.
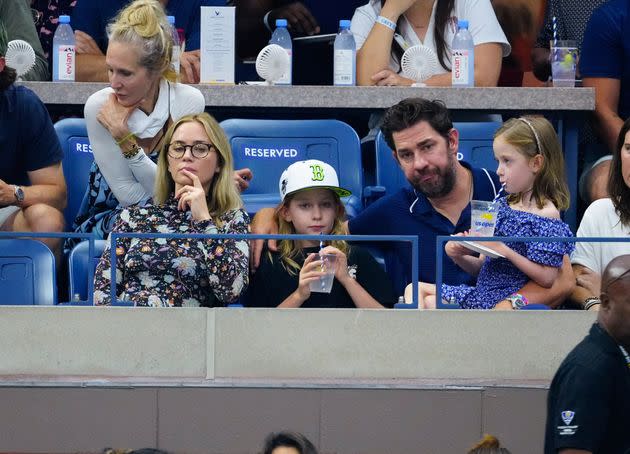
(190, 67)
(7, 194)
(264, 223)
(85, 44)
(242, 177)
(298, 16)
(589, 280)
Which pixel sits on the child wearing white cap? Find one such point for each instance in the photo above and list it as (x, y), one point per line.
(311, 205)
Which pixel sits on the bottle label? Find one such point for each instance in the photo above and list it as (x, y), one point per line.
(286, 79)
(461, 58)
(344, 67)
(66, 62)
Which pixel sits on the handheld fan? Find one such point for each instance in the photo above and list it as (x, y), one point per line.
(419, 63)
(272, 63)
(20, 56)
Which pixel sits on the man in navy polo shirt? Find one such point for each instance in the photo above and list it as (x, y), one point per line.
(436, 203)
(90, 19)
(32, 186)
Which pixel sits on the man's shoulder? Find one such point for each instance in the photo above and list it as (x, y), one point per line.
(486, 183)
(593, 357)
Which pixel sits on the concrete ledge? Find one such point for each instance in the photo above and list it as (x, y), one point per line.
(199, 346)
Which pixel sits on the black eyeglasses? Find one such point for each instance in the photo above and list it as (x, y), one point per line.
(176, 150)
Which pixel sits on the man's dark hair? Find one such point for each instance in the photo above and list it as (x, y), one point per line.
(7, 77)
(290, 440)
(411, 111)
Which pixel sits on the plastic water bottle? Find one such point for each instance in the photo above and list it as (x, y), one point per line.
(177, 48)
(282, 38)
(63, 51)
(345, 56)
(463, 57)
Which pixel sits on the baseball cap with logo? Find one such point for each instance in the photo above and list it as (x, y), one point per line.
(310, 174)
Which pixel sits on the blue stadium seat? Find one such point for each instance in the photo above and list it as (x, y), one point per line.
(27, 273)
(268, 147)
(475, 147)
(79, 264)
(77, 160)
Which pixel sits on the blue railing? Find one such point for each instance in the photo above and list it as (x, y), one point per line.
(413, 239)
(441, 240)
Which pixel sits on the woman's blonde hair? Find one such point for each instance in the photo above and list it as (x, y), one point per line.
(222, 195)
(533, 135)
(288, 249)
(143, 24)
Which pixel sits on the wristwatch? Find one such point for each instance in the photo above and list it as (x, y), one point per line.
(518, 301)
(18, 192)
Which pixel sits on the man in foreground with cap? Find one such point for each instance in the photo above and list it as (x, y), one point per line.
(32, 186)
(588, 406)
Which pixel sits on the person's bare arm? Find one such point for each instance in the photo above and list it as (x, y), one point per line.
(48, 187)
(607, 119)
(587, 285)
(552, 297)
(91, 68)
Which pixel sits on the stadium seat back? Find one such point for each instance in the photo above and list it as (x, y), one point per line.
(79, 264)
(268, 147)
(27, 273)
(78, 158)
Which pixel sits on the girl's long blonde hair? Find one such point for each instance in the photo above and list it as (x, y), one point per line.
(289, 250)
(222, 195)
(143, 24)
(532, 135)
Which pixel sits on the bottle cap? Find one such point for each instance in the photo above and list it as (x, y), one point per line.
(344, 23)
(462, 23)
(170, 19)
(281, 22)
(64, 19)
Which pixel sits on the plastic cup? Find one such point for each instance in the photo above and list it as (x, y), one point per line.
(483, 218)
(325, 282)
(564, 56)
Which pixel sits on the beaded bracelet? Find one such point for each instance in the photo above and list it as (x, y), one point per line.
(590, 302)
(126, 138)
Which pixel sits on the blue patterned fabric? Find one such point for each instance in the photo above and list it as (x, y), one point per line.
(99, 209)
(498, 278)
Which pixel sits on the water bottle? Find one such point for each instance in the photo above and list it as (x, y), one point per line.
(345, 62)
(63, 51)
(177, 48)
(463, 57)
(282, 38)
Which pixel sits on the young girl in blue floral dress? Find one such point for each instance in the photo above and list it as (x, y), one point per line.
(531, 169)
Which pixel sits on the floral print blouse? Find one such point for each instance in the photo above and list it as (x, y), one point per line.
(175, 272)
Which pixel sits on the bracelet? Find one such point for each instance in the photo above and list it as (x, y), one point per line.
(386, 22)
(266, 21)
(590, 302)
(126, 138)
(133, 152)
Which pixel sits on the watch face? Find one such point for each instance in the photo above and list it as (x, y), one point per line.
(19, 194)
(517, 302)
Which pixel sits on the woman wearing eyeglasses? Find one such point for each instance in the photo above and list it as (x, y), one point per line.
(194, 193)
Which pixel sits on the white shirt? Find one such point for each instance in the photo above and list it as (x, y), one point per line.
(483, 26)
(600, 220)
(132, 180)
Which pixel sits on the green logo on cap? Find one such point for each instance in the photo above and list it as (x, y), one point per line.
(318, 172)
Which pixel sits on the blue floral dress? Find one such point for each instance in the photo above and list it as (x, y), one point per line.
(499, 278)
(175, 272)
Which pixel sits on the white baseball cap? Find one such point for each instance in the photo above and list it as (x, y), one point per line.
(308, 175)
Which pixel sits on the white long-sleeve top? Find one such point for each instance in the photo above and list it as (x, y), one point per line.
(132, 180)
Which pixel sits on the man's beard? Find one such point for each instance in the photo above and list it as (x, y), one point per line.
(442, 186)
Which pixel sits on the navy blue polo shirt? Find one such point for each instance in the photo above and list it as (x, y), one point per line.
(397, 214)
(606, 48)
(27, 137)
(92, 17)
